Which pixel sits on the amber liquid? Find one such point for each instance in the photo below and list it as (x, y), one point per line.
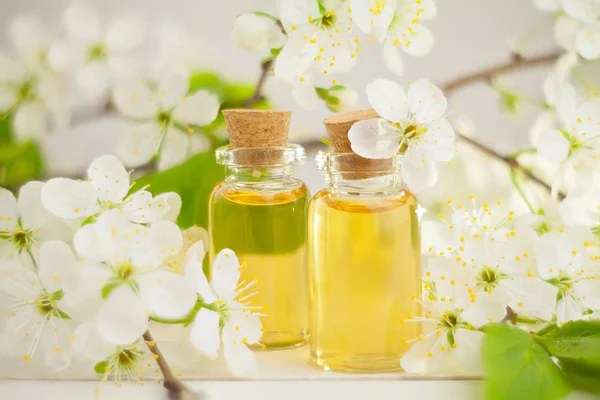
(267, 230)
(364, 274)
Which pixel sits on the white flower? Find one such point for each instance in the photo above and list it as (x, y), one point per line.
(226, 317)
(449, 341)
(134, 256)
(106, 188)
(118, 362)
(497, 266)
(31, 39)
(34, 95)
(575, 145)
(581, 207)
(40, 306)
(412, 124)
(100, 56)
(565, 262)
(25, 225)
(407, 32)
(579, 29)
(167, 119)
(257, 32)
(320, 38)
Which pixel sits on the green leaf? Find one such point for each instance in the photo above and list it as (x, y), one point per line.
(576, 344)
(19, 163)
(517, 368)
(322, 93)
(274, 53)
(100, 368)
(193, 181)
(5, 130)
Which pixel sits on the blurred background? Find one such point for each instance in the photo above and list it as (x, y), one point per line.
(469, 35)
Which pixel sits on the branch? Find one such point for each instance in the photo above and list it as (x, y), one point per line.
(487, 74)
(170, 382)
(257, 95)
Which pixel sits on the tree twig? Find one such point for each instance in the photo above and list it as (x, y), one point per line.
(262, 79)
(170, 381)
(486, 74)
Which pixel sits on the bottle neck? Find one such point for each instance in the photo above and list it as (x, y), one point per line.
(246, 174)
(350, 173)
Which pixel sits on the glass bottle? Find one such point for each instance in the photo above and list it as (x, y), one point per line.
(259, 211)
(364, 265)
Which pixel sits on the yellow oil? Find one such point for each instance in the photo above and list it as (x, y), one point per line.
(364, 274)
(267, 231)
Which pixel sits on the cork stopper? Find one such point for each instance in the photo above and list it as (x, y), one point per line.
(257, 133)
(257, 128)
(337, 130)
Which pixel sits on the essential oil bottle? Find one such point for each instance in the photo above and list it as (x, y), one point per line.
(364, 259)
(260, 212)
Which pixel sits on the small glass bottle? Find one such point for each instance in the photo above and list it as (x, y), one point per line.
(364, 259)
(259, 212)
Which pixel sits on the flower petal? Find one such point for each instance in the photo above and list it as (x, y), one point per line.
(56, 343)
(125, 34)
(420, 175)
(565, 30)
(9, 213)
(173, 200)
(139, 145)
(370, 139)
(532, 296)
(110, 179)
(388, 99)
(240, 359)
(205, 333)
(305, 96)
(122, 319)
(173, 85)
(200, 108)
(426, 101)
(142, 208)
(421, 42)
(135, 99)
(30, 121)
(417, 359)
(58, 267)
(567, 310)
(164, 239)
(89, 343)
(553, 254)
(553, 146)
(93, 79)
(225, 274)
(82, 24)
(587, 41)
(69, 199)
(391, 58)
(195, 273)
(175, 149)
(582, 10)
(167, 295)
(468, 349)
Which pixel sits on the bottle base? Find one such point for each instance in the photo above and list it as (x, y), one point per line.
(363, 363)
(281, 341)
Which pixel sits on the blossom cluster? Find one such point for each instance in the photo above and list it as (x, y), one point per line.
(90, 62)
(314, 40)
(486, 261)
(90, 263)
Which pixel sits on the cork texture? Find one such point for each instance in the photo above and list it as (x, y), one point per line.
(255, 130)
(337, 127)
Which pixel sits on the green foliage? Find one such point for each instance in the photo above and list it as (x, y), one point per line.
(576, 345)
(518, 368)
(19, 162)
(193, 181)
(274, 53)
